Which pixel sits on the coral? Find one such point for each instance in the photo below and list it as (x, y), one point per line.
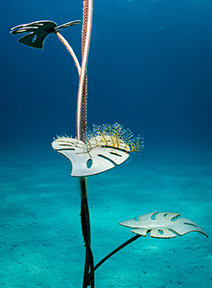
(114, 136)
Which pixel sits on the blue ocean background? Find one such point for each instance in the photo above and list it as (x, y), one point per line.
(150, 69)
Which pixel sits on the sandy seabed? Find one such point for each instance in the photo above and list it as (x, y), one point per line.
(41, 242)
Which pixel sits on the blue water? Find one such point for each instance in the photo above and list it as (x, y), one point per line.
(150, 69)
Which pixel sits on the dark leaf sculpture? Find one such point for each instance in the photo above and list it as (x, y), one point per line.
(162, 226)
(38, 31)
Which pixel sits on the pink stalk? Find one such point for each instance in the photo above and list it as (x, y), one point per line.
(84, 66)
(70, 50)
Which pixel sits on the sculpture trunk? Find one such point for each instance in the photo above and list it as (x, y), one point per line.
(81, 135)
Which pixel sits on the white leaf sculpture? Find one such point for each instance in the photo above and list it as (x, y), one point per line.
(87, 160)
(164, 225)
(105, 146)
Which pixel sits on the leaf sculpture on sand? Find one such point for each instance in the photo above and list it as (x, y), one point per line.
(164, 225)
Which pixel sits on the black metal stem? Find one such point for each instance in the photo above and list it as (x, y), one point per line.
(112, 253)
(85, 221)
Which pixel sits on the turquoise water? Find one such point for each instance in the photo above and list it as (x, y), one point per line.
(41, 243)
(149, 69)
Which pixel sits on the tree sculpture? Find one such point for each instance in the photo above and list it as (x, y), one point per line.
(93, 152)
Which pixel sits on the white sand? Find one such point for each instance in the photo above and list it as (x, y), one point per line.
(40, 234)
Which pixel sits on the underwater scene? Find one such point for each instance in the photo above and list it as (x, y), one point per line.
(104, 191)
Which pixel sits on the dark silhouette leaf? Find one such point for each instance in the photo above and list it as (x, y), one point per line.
(38, 31)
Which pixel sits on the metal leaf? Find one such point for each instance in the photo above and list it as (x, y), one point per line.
(68, 24)
(164, 225)
(87, 160)
(38, 31)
